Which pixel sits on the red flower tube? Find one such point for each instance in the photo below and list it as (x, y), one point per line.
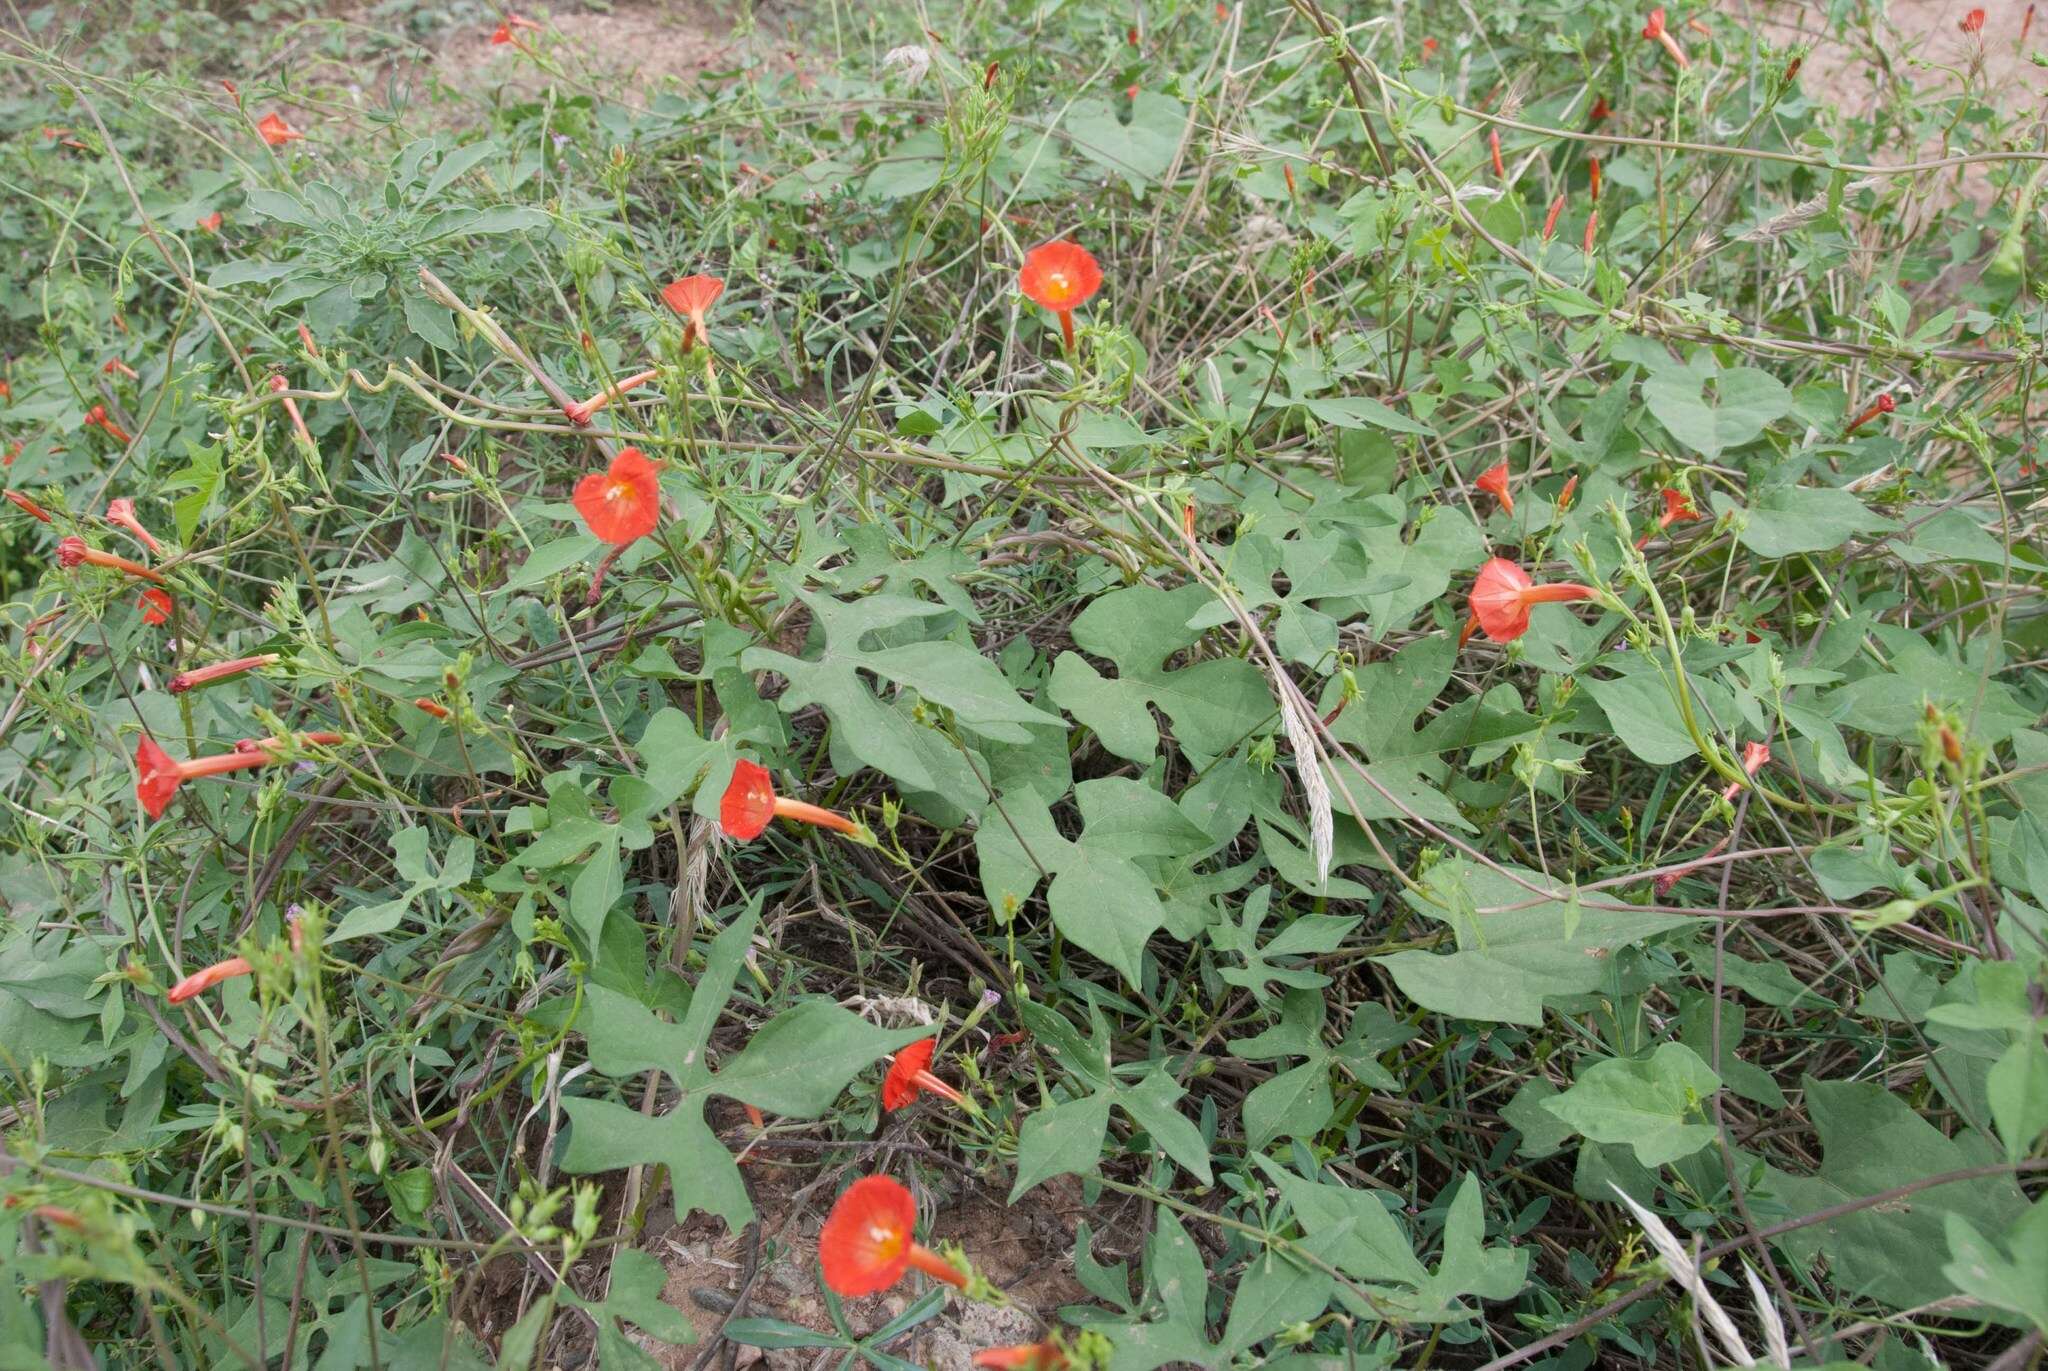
(210, 222)
(1494, 481)
(155, 606)
(750, 802)
(1884, 404)
(28, 506)
(218, 671)
(692, 297)
(115, 366)
(866, 1244)
(1592, 229)
(160, 774)
(96, 417)
(579, 412)
(122, 512)
(1503, 594)
(1654, 30)
(1550, 219)
(1755, 756)
(276, 131)
(1060, 276)
(1973, 22)
(428, 705)
(206, 978)
(73, 550)
(1493, 146)
(1031, 1356)
(1678, 509)
(1593, 177)
(910, 1075)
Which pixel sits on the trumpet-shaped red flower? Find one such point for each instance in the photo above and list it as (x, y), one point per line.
(1060, 276)
(1494, 481)
(866, 1244)
(910, 1075)
(1550, 219)
(1428, 48)
(622, 502)
(1678, 509)
(122, 512)
(1493, 146)
(210, 222)
(1592, 231)
(276, 131)
(506, 32)
(1593, 177)
(73, 550)
(1564, 497)
(155, 606)
(692, 297)
(1601, 109)
(1503, 594)
(96, 417)
(579, 412)
(1654, 30)
(1030, 1356)
(116, 367)
(28, 506)
(218, 671)
(428, 705)
(1755, 757)
(1884, 404)
(206, 978)
(750, 802)
(1973, 22)
(159, 774)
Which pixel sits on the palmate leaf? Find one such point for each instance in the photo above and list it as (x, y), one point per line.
(1067, 1138)
(1508, 963)
(1099, 894)
(944, 672)
(1354, 1231)
(796, 1064)
(1872, 1141)
(1213, 704)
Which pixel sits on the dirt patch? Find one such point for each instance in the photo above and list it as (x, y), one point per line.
(625, 48)
(1925, 48)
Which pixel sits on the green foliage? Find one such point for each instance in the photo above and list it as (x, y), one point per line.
(1339, 978)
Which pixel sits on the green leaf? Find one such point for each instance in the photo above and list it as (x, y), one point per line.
(878, 736)
(1795, 519)
(1059, 1140)
(1872, 1141)
(799, 1061)
(597, 887)
(456, 163)
(797, 1064)
(1507, 963)
(1741, 404)
(1140, 151)
(1212, 704)
(2017, 1088)
(431, 322)
(1644, 715)
(1646, 1102)
(1362, 411)
(2014, 1278)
